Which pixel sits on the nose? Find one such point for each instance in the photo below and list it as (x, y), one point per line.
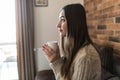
(58, 25)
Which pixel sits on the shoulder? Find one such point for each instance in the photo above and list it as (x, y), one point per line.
(92, 52)
(88, 50)
(87, 53)
(85, 63)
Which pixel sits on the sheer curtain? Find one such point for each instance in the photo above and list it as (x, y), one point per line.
(25, 39)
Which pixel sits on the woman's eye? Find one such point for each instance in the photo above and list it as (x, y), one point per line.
(63, 20)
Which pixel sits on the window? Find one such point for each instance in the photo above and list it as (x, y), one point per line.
(8, 52)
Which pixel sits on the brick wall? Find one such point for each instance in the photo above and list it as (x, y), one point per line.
(103, 18)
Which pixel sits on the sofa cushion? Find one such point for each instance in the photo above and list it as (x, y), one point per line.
(106, 55)
(108, 76)
(117, 65)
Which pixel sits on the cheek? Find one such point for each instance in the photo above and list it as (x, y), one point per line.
(65, 27)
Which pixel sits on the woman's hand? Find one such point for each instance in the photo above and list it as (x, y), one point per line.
(50, 53)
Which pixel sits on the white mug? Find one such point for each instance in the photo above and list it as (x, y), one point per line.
(53, 45)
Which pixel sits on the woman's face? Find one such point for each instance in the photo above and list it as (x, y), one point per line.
(62, 23)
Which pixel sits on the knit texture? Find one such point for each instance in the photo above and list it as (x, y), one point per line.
(86, 65)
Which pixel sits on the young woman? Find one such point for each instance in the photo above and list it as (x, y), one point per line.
(76, 57)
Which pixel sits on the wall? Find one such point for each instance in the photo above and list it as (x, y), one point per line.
(45, 27)
(103, 18)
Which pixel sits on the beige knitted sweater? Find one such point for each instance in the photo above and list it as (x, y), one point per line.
(86, 65)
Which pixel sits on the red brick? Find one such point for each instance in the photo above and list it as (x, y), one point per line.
(117, 33)
(102, 37)
(114, 13)
(109, 32)
(109, 20)
(104, 12)
(93, 36)
(97, 2)
(91, 32)
(113, 26)
(109, 3)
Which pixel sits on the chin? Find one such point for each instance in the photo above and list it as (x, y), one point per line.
(63, 35)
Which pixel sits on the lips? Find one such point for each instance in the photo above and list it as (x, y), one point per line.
(60, 30)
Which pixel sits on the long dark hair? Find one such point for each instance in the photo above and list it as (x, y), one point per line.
(77, 29)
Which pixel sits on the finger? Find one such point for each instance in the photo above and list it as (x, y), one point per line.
(46, 52)
(45, 46)
(49, 48)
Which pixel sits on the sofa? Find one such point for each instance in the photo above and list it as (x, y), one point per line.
(109, 61)
(45, 75)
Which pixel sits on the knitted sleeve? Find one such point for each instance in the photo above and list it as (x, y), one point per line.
(56, 68)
